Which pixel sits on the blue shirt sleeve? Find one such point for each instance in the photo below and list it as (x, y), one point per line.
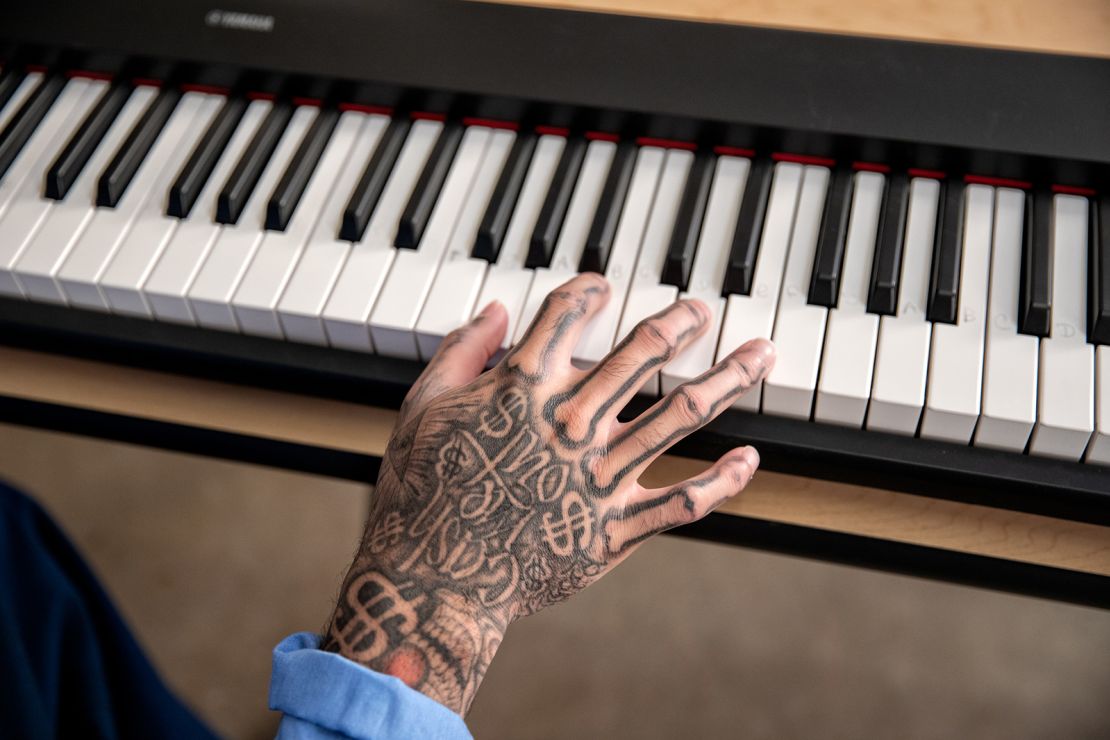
(324, 695)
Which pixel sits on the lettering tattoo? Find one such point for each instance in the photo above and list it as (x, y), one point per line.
(510, 493)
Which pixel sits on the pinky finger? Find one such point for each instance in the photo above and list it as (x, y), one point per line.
(649, 511)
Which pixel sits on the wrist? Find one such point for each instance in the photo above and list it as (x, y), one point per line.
(432, 638)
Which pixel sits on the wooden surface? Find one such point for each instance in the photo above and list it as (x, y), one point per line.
(1066, 26)
(355, 428)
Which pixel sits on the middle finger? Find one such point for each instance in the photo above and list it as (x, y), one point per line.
(689, 407)
(599, 396)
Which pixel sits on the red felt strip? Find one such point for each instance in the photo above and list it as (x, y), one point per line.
(491, 123)
(602, 136)
(362, 108)
(1074, 190)
(666, 143)
(871, 167)
(552, 131)
(89, 74)
(803, 159)
(932, 174)
(197, 87)
(733, 151)
(998, 182)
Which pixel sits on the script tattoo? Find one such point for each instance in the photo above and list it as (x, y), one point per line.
(499, 498)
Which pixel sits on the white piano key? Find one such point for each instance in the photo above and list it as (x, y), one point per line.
(36, 269)
(902, 354)
(1098, 452)
(347, 312)
(30, 208)
(166, 289)
(122, 279)
(256, 299)
(953, 393)
(647, 295)
(1010, 366)
(848, 356)
(71, 102)
(799, 332)
(751, 316)
(508, 280)
(302, 304)
(458, 280)
(707, 274)
(1066, 396)
(216, 281)
(393, 322)
(80, 274)
(600, 334)
(572, 236)
(23, 91)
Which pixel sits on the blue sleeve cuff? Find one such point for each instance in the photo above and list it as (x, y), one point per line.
(324, 695)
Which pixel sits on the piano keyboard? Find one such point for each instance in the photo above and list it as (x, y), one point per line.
(947, 306)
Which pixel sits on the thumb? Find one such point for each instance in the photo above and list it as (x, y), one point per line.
(461, 357)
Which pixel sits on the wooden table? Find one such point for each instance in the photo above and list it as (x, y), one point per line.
(835, 521)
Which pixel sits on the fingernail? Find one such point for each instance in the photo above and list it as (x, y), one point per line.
(760, 350)
(751, 454)
(488, 309)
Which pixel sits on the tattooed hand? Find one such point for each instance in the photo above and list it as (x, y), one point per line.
(504, 492)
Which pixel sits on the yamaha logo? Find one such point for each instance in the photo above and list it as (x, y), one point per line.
(239, 21)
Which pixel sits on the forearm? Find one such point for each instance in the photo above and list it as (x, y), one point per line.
(430, 637)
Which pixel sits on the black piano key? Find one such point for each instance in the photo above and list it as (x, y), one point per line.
(66, 168)
(9, 83)
(26, 120)
(366, 194)
(603, 230)
(119, 173)
(287, 194)
(749, 229)
(419, 209)
(1098, 235)
(554, 210)
(502, 203)
(824, 280)
(1035, 288)
(886, 265)
(688, 221)
(239, 186)
(194, 175)
(944, 280)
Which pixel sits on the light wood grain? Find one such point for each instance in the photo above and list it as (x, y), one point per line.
(1065, 26)
(193, 402)
(790, 499)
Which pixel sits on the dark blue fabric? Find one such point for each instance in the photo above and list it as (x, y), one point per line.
(69, 666)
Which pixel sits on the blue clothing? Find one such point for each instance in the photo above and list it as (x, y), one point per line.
(324, 695)
(70, 666)
(72, 669)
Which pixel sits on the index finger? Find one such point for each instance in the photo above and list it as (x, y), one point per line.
(554, 332)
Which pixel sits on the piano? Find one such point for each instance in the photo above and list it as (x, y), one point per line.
(309, 196)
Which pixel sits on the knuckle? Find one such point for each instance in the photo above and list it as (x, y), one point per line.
(738, 471)
(690, 405)
(559, 301)
(655, 336)
(590, 280)
(744, 372)
(691, 509)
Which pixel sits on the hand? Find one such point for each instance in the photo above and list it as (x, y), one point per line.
(504, 492)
